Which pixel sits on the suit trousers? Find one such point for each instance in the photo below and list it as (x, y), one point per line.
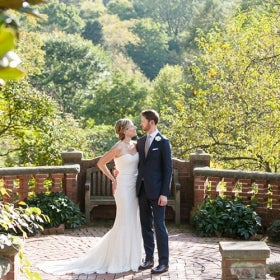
(152, 217)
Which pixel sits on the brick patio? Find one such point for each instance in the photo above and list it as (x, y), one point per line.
(191, 257)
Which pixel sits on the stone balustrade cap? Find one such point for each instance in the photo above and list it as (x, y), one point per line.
(71, 168)
(237, 174)
(244, 250)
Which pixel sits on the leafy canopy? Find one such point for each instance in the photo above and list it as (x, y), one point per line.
(234, 110)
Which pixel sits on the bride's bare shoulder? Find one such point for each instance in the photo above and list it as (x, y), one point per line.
(117, 148)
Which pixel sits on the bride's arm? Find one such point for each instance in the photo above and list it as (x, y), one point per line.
(102, 164)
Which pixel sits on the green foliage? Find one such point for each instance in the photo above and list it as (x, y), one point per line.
(93, 32)
(273, 231)
(10, 241)
(175, 14)
(182, 18)
(9, 34)
(225, 217)
(231, 107)
(123, 8)
(165, 88)
(102, 138)
(91, 10)
(32, 130)
(21, 221)
(72, 70)
(61, 17)
(59, 208)
(117, 97)
(17, 223)
(30, 49)
(9, 60)
(150, 53)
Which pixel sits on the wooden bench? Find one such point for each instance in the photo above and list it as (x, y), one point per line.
(98, 191)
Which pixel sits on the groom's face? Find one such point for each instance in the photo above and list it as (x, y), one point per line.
(145, 124)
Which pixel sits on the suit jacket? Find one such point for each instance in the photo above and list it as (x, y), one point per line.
(156, 168)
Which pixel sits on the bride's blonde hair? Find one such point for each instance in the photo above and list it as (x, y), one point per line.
(120, 126)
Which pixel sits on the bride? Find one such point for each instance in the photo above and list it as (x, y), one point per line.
(120, 249)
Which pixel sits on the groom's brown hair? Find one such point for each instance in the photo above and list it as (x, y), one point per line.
(151, 115)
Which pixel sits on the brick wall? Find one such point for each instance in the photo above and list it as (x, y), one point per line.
(259, 188)
(198, 180)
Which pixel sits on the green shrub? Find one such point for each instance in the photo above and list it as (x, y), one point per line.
(273, 231)
(17, 223)
(225, 217)
(20, 221)
(59, 208)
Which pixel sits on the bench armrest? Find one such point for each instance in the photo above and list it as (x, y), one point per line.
(177, 186)
(87, 186)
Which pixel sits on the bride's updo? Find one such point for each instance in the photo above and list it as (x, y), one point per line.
(120, 126)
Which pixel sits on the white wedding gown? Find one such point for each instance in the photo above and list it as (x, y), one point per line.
(120, 249)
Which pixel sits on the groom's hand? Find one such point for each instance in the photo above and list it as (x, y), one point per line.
(115, 172)
(162, 201)
(114, 186)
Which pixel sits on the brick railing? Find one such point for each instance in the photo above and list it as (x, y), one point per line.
(259, 188)
(196, 178)
(19, 181)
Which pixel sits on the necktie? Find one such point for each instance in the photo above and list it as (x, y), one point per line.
(147, 144)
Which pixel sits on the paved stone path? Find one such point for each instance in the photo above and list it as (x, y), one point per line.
(191, 257)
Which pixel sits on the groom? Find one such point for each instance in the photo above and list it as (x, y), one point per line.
(153, 186)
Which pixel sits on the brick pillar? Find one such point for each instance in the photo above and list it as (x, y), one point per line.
(9, 186)
(12, 255)
(71, 156)
(24, 188)
(244, 259)
(71, 181)
(39, 183)
(71, 187)
(57, 180)
(198, 159)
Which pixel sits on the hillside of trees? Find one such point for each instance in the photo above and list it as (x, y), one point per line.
(210, 67)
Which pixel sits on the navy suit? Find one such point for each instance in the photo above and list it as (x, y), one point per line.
(154, 179)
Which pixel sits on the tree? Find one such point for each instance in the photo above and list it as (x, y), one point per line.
(165, 87)
(150, 53)
(101, 138)
(123, 8)
(118, 97)
(91, 10)
(32, 130)
(61, 17)
(174, 13)
(73, 68)
(93, 32)
(182, 18)
(235, 109)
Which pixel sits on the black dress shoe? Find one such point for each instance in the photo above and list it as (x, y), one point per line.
(159, 269)
(146, 265)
